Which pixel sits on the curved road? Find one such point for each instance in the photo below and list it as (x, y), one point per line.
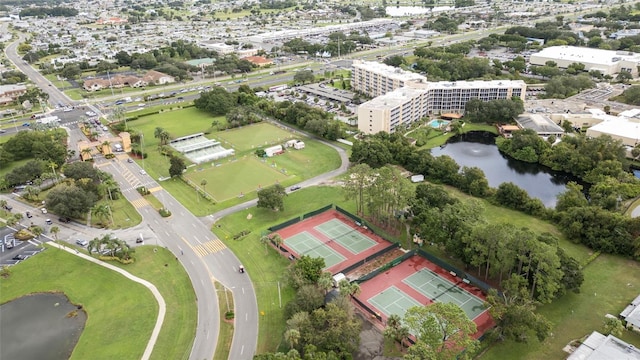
(203, 256)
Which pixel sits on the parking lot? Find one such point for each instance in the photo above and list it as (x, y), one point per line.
(13, 251)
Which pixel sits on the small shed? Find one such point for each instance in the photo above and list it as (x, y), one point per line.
(337, 278)
(417, 178)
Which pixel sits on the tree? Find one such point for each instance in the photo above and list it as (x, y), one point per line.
(176, 166)
(217, 101)
(272, 197)
(442, 330)
(70, 200)
(101, 211)
(304, 76)
(396, 330)
(613, 326)
(306, 270)
(358, 179)
(55, 230)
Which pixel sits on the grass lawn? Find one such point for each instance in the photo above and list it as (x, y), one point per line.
(121, 313)
(610, 284)
(437, 138)
(235, 177)
(179, 328)
(265, 266)
(124, 214)
(253, 137)
(225, 337)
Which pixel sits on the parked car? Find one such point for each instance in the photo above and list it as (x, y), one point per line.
(8, 207)
(295, 187)
(82, 242)
(29, 215)
(20, 257)
(48, 222)
(44, 210)
(65, 219)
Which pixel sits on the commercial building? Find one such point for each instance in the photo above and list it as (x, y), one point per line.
(624, 126)
(608, 62)
(404, 97)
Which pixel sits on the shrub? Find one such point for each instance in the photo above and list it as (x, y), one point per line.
(143, 190)
(164, 212)
(229, 315)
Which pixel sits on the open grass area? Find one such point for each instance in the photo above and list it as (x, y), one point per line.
(265, 266)
(256, 136)
(239, 177)
(179, 327)
(121, 313)
(124, 214)
(610, 284)
(437, 137)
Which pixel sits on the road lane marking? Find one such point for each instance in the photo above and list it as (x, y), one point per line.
(157, 188)
(139, 203)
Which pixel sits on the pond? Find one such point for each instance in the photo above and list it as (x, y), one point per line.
(42, 326)
(478, 149)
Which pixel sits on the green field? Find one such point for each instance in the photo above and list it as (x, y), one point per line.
(256, 136)
(233, 178)
(121, 313)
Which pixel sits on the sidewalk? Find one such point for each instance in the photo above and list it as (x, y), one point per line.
(162, 307)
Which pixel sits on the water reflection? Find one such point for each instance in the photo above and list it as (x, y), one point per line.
(478, 149)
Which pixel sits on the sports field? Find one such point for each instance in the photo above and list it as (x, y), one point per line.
(255, 136)
(346, 236)
(306, 244)
(393, 301)
(232, 178)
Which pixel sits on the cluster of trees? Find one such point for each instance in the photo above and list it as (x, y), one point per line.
(46, 147)
(41, 11)
(278, 4)
(444, 24)
(110, 246)
(498, 111)
(272, 197)
(80, 191)
(630, 96)
(12, 77)
(597, 161)
(323, 329)
(553, 32)
(339, 43)
(218, 101)
(308, 118)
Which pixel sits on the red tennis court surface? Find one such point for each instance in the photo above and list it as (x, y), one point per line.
(394, 278)
(308, 225)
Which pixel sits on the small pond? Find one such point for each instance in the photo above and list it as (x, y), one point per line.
(42, 326)
(478, 149)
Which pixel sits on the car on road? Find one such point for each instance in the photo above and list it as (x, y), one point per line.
(295, 187)
(82, 242)
(44, 210)
(28, 213)
(65, 219)
(48, 222)
(8, 207)
(2, 131)
(143, 172)
(129, 160)
(8, 244)
(26, 124)
(20, 257)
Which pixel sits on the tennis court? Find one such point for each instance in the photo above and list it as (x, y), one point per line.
(393, 301)
(440, 289)
(348, 237)
(306, 244)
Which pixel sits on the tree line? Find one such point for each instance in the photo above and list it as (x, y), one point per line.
(593, 220)
(43, 11)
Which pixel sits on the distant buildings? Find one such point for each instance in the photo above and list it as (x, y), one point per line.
(10, 93)
(624, 127)
(152, 77)
(404, 97)
(608, 62)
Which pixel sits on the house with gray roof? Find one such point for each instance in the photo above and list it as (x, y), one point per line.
(631, 314)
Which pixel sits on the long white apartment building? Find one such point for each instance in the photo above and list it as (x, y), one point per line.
(375, 79)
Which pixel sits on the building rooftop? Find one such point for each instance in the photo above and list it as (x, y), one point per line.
(589, 55)
(393, 98)
(618, 126)
(478, 84)
(388, 71)
(601, 347)
(631, 314)
(541, 124)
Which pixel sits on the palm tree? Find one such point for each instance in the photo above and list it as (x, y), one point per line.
(101, 211)
(348, 288)
(32, 192)
(293, 337)
(106, 147)
(277, 240)
(55, 230)
(325, 281)
(36, 230)
(157, 132)
(86, 153)
(53, 167)
(94, 245)
(265, 241)
(203, 183)
(3, 203)
(112, 188)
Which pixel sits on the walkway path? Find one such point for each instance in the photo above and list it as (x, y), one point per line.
(162, 306)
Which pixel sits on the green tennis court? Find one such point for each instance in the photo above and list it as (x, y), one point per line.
(440, 289)
(346, 236)
(306, 244)
(393, 301)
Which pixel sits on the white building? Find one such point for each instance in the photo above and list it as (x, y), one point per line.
(631, 314)
(404, 97)
(273, 150)
(601, 347)
(608, 62)
(375, 79)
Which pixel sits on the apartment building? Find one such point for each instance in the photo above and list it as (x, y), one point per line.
(403, 98)
(376, 79)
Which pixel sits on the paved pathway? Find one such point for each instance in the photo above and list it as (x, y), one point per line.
(162, 306)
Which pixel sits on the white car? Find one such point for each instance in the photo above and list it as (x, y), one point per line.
(143, 172)
(44, 210)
